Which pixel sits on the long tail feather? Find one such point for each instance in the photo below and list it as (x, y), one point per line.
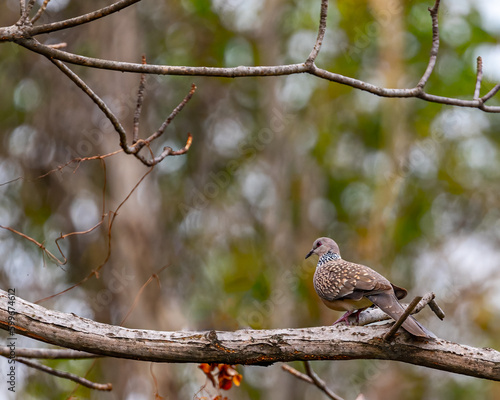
(390, 305)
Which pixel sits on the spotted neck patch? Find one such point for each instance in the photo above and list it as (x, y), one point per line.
(327, 257)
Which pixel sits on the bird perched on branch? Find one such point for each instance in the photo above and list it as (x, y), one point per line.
(345, 286)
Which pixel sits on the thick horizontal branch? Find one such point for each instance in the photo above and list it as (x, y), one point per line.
(246, 346)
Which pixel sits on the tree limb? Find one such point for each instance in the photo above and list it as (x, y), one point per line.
(247, 346)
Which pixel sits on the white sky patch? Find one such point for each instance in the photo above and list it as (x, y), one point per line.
(461, 261)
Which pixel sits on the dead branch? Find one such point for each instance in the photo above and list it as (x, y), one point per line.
(307, 378)
(375, 314)
(247, 346)
(48, 354)
(65, 375)
(320, 383)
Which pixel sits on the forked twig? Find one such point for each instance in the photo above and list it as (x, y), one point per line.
(95, 272)
(51, 256)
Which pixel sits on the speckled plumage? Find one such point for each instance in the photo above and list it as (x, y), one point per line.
(346, 286)
(335, 279)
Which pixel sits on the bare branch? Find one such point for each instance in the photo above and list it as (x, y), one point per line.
(490, 94)
(98, 101)
(49, 354)
(261, 347)
(241, 71)
(42, 247)
(479, 77)
(82, 19)
(308, 379)
(112, 215)
(435, 45)
(233, 72)
(389, 335)
(375, 314)
(134, 303)
(297, 374)
(320, 383)
(40, 11)
(436, 309)
(167, 122)
(321, 33)
(134, 149)
(138, 108)
(66, 375)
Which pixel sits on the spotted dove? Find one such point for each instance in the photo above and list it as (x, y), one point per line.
(345, 286)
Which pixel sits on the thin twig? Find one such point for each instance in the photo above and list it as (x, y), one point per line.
(436, 309)
(95, 272)
(134, 149)
(309, 379)
(40, 11)
(51, 256)
(435, 45)
(98, 101)
(490, 94)
(82, 19)
(320, 383)
(479, 77)
(66, 375)
(62, 237)
(321, 33)
(138, 108)
(388, 336)
(167, 151)
(374, 314)
(136, 300)
(297, 374)
(48, 354)
(169, 119)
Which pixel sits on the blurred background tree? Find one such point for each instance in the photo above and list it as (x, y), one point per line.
(407, 187)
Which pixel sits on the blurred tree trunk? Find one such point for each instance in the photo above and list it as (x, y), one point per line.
(137, 231)
(389, 17)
